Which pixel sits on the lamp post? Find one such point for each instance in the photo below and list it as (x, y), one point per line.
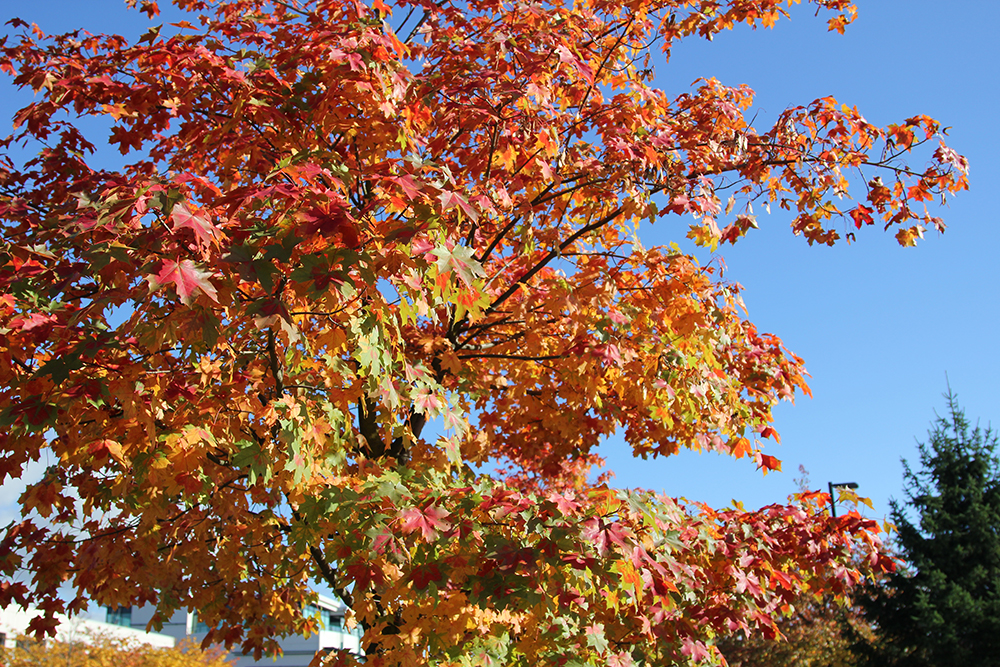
(841, 485)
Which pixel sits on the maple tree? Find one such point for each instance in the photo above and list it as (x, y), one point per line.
(336, 224)
(97, 650)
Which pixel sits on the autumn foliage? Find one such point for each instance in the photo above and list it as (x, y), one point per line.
(813, 630)
(101, 651)
(344, 260)
(817, 633)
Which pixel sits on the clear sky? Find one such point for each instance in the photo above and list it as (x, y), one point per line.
(880, 327)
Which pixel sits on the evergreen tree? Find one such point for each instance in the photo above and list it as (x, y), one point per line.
(943, 607)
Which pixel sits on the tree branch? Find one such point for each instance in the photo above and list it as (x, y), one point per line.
(549, 257)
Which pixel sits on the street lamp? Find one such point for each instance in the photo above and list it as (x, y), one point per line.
(841, 485)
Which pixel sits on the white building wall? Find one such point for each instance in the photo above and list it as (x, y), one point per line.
(14, 621)
(298, 651)
(176, 627)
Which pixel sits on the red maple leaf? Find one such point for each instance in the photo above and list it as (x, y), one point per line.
(203, 228)
(34, 321)
(410, 187)
(425, 574)
(768, 463)
(452, 199)
(186, 277)
(428, 521)
(328, 219)
(605, 534)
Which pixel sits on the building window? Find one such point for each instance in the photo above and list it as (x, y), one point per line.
(328, 618)
(197, 626)
(120, 616)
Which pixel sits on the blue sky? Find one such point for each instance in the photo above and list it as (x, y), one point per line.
(879, 326)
